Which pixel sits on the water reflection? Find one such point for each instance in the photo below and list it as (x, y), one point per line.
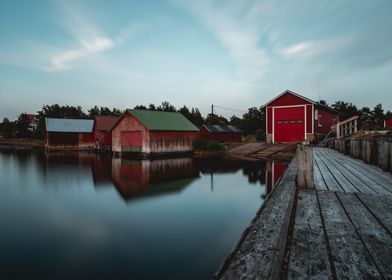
(61, 214)
(144, 178)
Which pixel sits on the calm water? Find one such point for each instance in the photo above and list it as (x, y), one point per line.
(80, 216)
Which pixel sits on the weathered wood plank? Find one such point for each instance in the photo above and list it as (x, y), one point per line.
(381, 208)
(350, 257)
(308, 256)
(259, 253)
(353, 178)
(371, 168)
(329, 180)
(360, 173)
(372, 233)
(305, 167)
(337, 174)
(319, 183)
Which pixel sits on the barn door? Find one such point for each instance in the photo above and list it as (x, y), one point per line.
(289, 124)
(131, 141)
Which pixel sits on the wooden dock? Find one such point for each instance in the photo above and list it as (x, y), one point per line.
(339, 228)
(264, 151)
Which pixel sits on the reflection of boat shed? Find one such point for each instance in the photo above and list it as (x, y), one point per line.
(69, 134)
(148, 132)
(221, 133)
(102, 130)
(149, 178)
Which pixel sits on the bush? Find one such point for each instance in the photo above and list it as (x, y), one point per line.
(207, 145)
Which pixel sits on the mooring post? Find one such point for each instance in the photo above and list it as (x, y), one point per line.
(305, 167)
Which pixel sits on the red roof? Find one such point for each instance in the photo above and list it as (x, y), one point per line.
(105, 123)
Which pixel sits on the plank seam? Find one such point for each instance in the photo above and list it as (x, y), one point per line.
(359, 236)
(329, 250)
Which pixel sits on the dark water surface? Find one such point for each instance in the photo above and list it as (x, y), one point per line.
(80, 216)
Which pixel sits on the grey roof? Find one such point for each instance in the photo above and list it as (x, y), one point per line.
(222, 128)
(69, 125)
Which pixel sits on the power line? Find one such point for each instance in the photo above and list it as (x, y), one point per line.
(231, 109)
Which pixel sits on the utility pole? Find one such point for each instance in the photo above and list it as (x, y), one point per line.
(212, 113)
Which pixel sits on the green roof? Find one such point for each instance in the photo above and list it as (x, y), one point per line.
(158, 120)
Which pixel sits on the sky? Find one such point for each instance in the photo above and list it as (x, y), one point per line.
(236, 54)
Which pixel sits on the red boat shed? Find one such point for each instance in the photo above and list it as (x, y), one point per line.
(69, 134)
(221, 133)
(153, 132)
(291, 117)
(388, 123)
(102, 130)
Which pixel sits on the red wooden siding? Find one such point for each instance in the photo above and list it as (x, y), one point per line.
(388, 123)
(172, 141)
(131, 141)
(288, 99)
(69, 140)
(130, 123)
(289, 124)
(324, 121)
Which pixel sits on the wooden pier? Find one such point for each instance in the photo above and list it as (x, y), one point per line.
(341, 227)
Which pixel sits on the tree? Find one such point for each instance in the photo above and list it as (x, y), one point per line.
(235, 121)
(140, 107)
(378, 117)
(166, 107)
(22, 126)
(346, 110)
(103, 111)
(254, 121)
(215, 119)
(7, 128)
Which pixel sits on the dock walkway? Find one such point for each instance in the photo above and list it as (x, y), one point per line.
(341, 228)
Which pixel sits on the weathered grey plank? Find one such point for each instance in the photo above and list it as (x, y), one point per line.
(259, 253)
(305, 167)
(354, 179)
(375, 237)
(319, 183)
(380, 207)
(329, 180)
(308, 256)
(370, 168)
(361, 174)
(337, 174)
(350, 257)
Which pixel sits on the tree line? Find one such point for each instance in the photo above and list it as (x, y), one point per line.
(251, 123)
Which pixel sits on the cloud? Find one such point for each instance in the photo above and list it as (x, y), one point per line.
(90, 39)
(228, 24)
(96, 45)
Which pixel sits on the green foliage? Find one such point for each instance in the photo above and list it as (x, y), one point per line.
(207, 145)
(103, 111)
(22, 126)
(7, 128)
(215, 119)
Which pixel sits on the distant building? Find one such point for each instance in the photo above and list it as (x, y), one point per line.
(152, 132)
(388, 123)
(221, 133)
(33, 121)
(291, 117)
(69, 134)
(103, 131)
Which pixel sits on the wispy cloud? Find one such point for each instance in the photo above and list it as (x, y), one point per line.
(228, 24)
(89, 39)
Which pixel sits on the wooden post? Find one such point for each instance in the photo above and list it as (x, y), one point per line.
(305, 167)
(386, 154)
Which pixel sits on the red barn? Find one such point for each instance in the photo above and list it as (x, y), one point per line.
(153, 132)
(69, 134)
(102, 131)
(291, 117)
(221, 133)
(388, 123)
